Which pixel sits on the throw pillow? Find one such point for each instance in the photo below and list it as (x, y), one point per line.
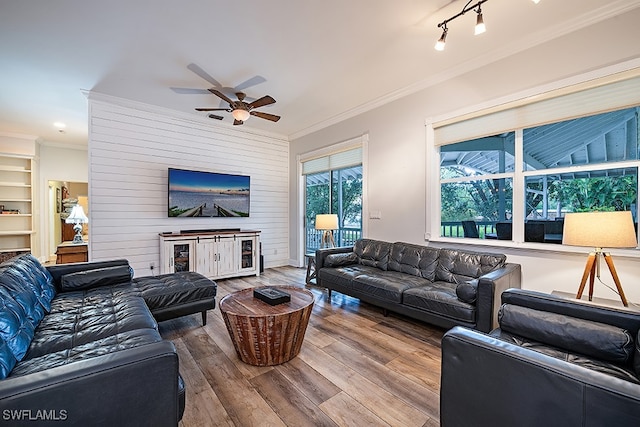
(467, 291)
(88, 279)
(599, 340)
(339, 260)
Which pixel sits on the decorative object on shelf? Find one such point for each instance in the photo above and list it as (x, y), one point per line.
(328, 223)
(77, 217)
(271, 295)
(599, 230)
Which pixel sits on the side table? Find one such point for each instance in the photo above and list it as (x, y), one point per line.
(311, 268)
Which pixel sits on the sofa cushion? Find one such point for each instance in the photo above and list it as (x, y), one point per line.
(343, 276)
(616, 370)
(440, 298)
(416, 260)
(468, 291)
(387, 285)
(456, 266)
(88, 279)
(16, 330)
(35, 276)
(373, 253)
(339, 260)
(7, 359)
(99, 347)
(168, 290)
(22, 291)
(599, 340)
(81, 317)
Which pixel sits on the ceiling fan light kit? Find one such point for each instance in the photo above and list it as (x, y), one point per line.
(479, 28)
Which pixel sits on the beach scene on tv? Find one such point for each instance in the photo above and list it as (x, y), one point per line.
(207, 194)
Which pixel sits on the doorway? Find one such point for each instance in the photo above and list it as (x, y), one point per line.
(63, 196)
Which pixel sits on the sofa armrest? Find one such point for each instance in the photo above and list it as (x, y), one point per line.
(490, 288)
(321, 254)
(59, 270)
(498, 383)
(137, 386)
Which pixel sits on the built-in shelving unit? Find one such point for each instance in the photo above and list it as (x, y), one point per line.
(16, 205)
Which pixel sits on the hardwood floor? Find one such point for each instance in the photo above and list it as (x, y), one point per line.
(356, 367)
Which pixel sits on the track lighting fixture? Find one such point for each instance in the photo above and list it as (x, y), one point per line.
(443, 38)
(479, 29)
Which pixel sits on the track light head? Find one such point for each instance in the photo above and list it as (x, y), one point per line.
(480, 27)
(442, 40)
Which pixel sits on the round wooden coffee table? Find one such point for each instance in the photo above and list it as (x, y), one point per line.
(264, 334)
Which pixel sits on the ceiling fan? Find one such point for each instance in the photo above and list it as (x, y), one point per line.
(241, 110)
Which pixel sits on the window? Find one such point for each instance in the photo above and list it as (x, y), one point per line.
(519, 183)
(333, 184)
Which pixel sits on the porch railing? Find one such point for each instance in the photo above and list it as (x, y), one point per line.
(454, 228)
(343, 237)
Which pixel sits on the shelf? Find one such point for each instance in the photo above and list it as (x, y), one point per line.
(16, 233)
(14, 169)
(15, 250)
(14, 184)
(13, 215)
(15, 200)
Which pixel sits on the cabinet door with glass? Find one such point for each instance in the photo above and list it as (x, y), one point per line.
(179, 255)
(246, 247)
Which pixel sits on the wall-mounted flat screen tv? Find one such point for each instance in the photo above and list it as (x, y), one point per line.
(207, 194)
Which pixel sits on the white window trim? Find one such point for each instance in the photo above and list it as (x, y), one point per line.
(624, 70)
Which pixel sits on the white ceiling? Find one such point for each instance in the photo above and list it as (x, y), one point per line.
(321, 60)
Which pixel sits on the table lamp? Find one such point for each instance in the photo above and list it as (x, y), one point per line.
(328, 223)
(77, 218)
(599, 230)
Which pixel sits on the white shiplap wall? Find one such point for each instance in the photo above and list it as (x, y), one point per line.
(131, 147)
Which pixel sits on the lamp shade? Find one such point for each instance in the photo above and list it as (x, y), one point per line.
(77, 216)
(240, 114)
(327, 222)
(600, 230)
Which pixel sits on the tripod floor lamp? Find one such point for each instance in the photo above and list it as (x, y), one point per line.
(599, 230)
(327, 223)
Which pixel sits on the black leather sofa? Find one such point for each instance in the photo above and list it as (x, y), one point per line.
(552, 362)
(445, 287)
(79, 345)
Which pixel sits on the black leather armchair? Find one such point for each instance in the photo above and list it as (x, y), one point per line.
(552, 362)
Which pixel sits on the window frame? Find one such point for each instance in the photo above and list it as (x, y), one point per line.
(610, 75)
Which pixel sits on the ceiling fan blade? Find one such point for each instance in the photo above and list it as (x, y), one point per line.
(212, 109)
(266, 116)
(215, 116)
(220, 95)
(256, 80)
(189, 91)
(202, 73)
(261, 102)
(237, 122)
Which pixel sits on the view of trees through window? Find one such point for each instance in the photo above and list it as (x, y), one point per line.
(343, 197)
(579, 165)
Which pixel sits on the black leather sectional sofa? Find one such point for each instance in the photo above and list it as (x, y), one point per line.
(79, 345)
(552, 362)
(445, 287)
